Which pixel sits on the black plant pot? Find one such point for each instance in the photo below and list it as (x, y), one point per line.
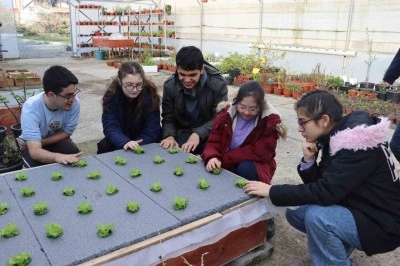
(229, 80)
(344, 89)
(393, 96)
(363, 85)
(382, 95)
(16, 128)
(234, 73)
(16, 166)
(3, 133)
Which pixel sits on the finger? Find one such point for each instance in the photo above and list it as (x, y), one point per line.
(139, 141)
(79, 154)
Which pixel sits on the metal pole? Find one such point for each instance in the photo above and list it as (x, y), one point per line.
(348, 36)
(201, 25)
(260, 26)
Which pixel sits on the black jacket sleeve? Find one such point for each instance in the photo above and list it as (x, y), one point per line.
(393, 72)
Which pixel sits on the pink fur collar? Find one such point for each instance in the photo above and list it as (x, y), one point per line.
(360, 137)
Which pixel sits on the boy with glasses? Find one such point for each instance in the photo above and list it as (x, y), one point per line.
(48, 120)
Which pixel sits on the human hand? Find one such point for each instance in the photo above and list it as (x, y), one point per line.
(132, 144)
(309, 150)
(192, 143)
(212, 164)
(386, 84)
(68, 158)
(257, 188)
(168, 142)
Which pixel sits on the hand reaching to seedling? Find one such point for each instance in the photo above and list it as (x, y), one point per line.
(68, 158)
(191, 143)
(169, 142)
(257, 188)
(133, 144)
(212, 164)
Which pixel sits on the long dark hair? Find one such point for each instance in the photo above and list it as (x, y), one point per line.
(254, 89)
(149, 88)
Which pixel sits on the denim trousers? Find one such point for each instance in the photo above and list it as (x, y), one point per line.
(395, 143)
(331, 233)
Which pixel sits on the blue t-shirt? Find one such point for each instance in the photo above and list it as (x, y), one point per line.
(38, 122)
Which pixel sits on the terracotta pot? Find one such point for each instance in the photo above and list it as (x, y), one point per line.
(287, 93)
(7, 118)
(278, 90)
(110, 63)
(296, 94)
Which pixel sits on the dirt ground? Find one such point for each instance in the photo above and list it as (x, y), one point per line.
(290, 246)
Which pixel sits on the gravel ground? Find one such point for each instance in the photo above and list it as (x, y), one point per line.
(30, 49)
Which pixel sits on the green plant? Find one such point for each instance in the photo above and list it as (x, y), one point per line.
(158, 159)
(240, 182)
(112, 189)
(94, 175)
(80, 163)
(334, 82)
(53, 230)
(11, 154)
(371, 56)
(4, 207)
(84, 207)
(216, 171)
(135, 172)
(294, 87)
(230, 62)
(10, 230)
(132, 206)
(69, 191)
(27, 191)
(20, 176)
(173, 150)
(147, 58)
(178, 171)
(191, 159)
(203, 184)
(180, 203)
(56, 176)
(104, 230)
(138, 150)
(156, 186)
(40, 208)
(21, 259)
(120, 160)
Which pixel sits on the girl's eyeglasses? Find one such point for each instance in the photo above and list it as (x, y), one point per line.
(138, 86)
(301, 123)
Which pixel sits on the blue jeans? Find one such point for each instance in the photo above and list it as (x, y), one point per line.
(395, 143)
(246, 169)
(331, 232)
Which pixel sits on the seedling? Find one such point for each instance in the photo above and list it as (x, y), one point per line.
(203, 184)
(132, 206)
(53, 230)
(191, 159)
(135, 172)
(158, 159)
(173, 150)
(56, 176)
(156, 186)
(104, 230)
(27, 191)
(21, 259)
(112, 189)
(138, 150)
(180, 203)
(3, 207)
(69, 191)
(9, 231)
(216, 171)
(40, 208)
(21, 177)
(94, 175)
(80, 163)
(178, 171)
(84, 207)
(240, 182)
(120, 160)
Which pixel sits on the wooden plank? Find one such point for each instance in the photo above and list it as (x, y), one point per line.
(239, 205)
(151, 241)
(225, 250)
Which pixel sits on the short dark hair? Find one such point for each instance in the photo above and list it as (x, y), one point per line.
(254, 89)
(56, 78)
(190, 58)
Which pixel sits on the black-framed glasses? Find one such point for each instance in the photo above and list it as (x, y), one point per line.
(302, 123)
(69, 97)
(130, 87)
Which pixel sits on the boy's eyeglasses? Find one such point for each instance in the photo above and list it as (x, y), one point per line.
(69, 97)
(138, 86)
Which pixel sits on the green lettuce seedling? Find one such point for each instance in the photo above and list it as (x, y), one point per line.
(135, 172)
(216, 171)
(3, 207)
(56, 176)
(104, 230)
(180, 203)
(158, 159)
(178, 171)
(84, 207)
(203, 184)
(27, 191)
(40, 208)
(112, 189)
(120, 160)
(132, 206)
(173, 150)
(240, 182)
(21, 259)
(9, 231)
(138, 150)
(80, 163)
(94, 175)
(53, 230)
(156, 186)
(191, 159)
(21, 177)
(69, 191)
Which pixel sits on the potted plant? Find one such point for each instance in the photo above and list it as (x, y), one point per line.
(230, 64)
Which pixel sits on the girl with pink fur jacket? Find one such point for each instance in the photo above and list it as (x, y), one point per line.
(350, 198)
